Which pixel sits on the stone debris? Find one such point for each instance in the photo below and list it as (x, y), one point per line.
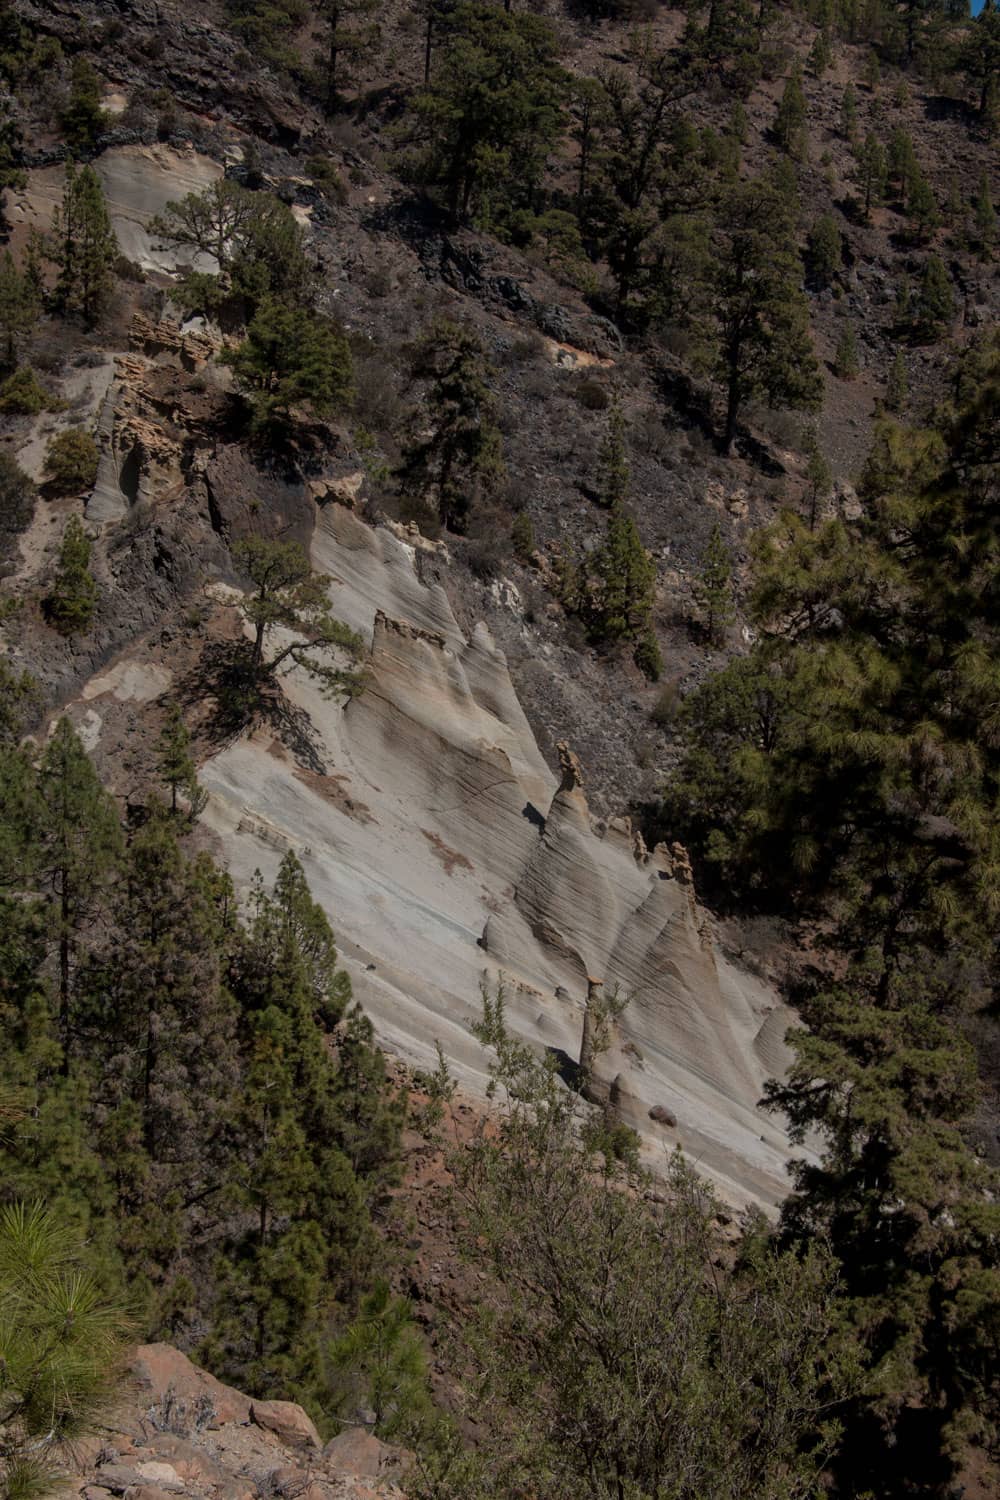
(178, 1431)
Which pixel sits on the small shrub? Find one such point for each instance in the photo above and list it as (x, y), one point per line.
(378, 281)
(668, 702)
(522, 535)
(484, 558)
(71, 462)
(327, 178)
(23, 393)
(592, 395)
(648, 656)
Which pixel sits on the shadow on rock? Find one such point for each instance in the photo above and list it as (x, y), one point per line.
(241, 697)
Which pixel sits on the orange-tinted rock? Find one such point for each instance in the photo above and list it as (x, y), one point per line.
(287, 1421)
(168, 1376)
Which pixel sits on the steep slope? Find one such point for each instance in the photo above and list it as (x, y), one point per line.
(176, 1430)
(436, 838)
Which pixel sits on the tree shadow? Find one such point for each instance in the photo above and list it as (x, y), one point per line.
(567, 1069)
(244, 697)
(946, 107)
(690, 403)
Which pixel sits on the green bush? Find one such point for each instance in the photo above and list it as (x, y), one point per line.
(648, 656)
(522, 535)
(23, 394)
(71, 462)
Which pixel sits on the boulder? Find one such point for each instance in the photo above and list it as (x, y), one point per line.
(357, 1452)
(167, 1377)
(663, 1116)
(287, 1421)
(163, 1475)
(117, 1478)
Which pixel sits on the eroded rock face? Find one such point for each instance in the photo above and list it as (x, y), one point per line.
(447, 854)
(138, 181)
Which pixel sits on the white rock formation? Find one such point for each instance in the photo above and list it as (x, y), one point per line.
(138, 182)
(446, 853)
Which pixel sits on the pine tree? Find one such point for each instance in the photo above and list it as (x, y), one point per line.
(380, 1363)
(85, 247)
(491, 112)
(872, 72)
(870, 172)
(61, 1342)
(18, 496)
(985, 220)
(78, 854)
(751, 314)
(290, 358)
(849, 114)
(11, 174)
(158, 1007)
(790, 120)
(846, 365)
(819, 480)
(71, 461)
(20, 696)
(346, 38)
(614, 471)
(369, 1117)
(212, 222)
(286, 592)
(19, 309)
(82, 120)
(934, 302)
(625, 582)
(825, 252)
(886, 1085)
(897, 387)
(902, 162)
(820, 56)
(739, 125)
(921, 205)
(309, 1235)
(70, 601)
(461, 457)
(979, 56)
(176, 766)
(713, 588)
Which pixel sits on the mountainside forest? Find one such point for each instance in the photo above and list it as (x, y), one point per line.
(666, 341)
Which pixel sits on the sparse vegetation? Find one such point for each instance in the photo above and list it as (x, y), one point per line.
(557, 282)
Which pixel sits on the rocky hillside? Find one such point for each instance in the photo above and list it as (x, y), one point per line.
(446, 449)
(176, 1430)
(186, 102)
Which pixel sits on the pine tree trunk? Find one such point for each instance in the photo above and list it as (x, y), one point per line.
(428, 44)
